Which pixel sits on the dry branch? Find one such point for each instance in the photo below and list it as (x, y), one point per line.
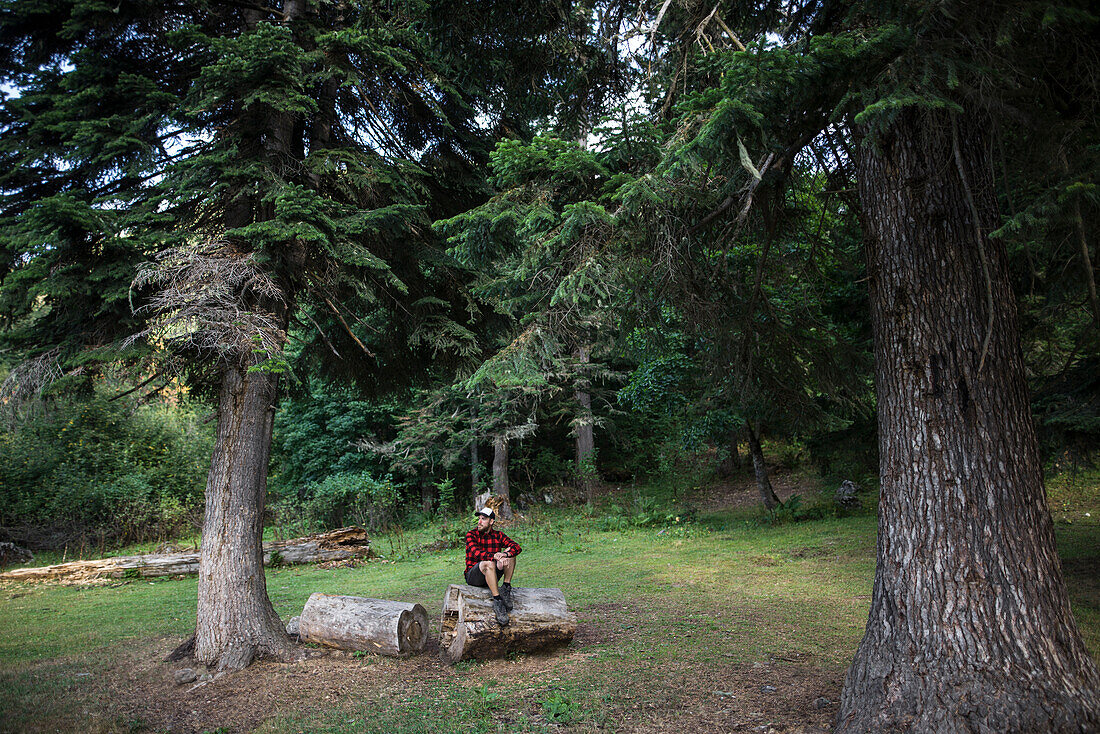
(207, 297)
(26, 381)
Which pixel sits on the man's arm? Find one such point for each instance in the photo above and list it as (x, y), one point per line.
(511, 547)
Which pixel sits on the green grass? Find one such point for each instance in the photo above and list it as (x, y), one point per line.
(47, 621)
(658, 606)
(1074, 495)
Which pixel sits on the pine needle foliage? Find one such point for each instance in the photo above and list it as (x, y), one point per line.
(311, 141)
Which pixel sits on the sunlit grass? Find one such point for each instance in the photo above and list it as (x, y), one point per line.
(664, 600)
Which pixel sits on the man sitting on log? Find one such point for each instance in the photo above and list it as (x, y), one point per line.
(491, 561)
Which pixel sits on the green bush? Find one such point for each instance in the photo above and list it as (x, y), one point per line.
(793, 510)
(790, 453)
(646, 512)
(549, 468)
(559, 708)
(315, 433)
(445, 489)
(104, 472)
(850, 453)
(338, 500)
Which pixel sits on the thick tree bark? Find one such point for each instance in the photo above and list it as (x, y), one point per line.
(760, 469)
(970, 628)
(475, 456)
(1083, 247)
(500, 466)
(475, 467)
(427, 498)
(236, 621)
(1086, 260)
(586, 440)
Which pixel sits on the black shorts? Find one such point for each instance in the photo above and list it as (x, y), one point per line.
(474, 576)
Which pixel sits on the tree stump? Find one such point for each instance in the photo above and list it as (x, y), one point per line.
(846, 495)
(392, 628)
(498, 503)
(540, 621)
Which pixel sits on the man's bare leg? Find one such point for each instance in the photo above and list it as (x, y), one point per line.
(500, 609)
(489, 570)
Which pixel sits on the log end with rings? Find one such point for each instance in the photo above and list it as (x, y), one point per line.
(391, 628)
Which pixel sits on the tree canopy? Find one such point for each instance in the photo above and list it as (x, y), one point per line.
(787, 215)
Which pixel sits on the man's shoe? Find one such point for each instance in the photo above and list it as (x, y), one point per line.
(506, 595)
(501, 612)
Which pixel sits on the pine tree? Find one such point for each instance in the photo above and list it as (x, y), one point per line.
(279, 164)
(970, 627)
(542, 248)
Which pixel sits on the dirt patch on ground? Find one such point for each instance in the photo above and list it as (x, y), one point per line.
(138, 693)
(741, 491)
(133, 690)
(763, 697)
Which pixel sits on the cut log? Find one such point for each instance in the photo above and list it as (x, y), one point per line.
(539, 622)
(393, 628)
(335, 545)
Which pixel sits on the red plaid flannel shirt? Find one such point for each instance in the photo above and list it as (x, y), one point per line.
(482, 547)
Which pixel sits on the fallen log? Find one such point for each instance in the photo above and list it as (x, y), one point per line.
(540, 621)
(393, 628)
(335, 545)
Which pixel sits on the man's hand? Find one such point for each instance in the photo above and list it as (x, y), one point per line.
(500, 556)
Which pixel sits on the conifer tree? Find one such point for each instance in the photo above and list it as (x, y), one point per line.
(276, 164)
(970, 628)
(543, 253)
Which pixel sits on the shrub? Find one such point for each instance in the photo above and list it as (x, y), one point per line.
(549, 468)
(790, 454)
(793, 510)
(349, 498)
(851, 453)
(445, 490)
(104, 472)
(315, 434)
(559, 708)
(646, 512)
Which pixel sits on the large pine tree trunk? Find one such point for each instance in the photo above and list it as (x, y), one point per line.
(500, 466)
(475, 455)
(760, 469)
(970, 627)
(236, 621)
(586, 439)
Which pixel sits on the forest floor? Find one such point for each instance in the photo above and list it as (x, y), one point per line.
(721, 624)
